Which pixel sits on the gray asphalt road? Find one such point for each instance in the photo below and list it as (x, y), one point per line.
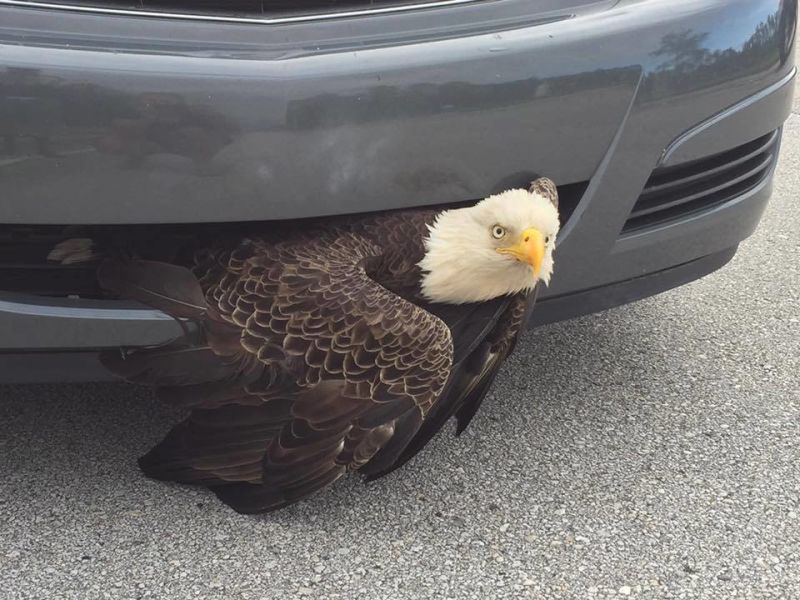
(651, 451)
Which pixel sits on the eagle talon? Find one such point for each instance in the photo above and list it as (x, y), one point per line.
(73, 251)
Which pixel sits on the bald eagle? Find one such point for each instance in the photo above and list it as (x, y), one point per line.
(343, 345)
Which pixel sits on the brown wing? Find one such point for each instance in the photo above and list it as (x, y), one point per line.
(332, 370)
(484, 336)
(546, 188)
(402, 234)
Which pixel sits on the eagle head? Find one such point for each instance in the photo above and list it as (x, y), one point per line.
(502, 245)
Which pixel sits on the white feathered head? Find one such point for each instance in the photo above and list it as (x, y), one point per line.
(502, 245)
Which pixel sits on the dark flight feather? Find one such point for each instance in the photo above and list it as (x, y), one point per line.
(170, 288)
(469, 323)
(171, 365)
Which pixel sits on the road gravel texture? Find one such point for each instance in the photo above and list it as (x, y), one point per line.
(648, 452)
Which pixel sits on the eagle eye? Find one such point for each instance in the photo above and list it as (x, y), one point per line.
(498, 232)
(546, 240)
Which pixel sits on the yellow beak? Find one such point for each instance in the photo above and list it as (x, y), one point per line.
(529, 249)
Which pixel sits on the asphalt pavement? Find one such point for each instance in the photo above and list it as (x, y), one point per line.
(652, 451)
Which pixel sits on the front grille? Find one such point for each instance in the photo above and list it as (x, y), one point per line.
(675, 192)
(245, 9)
(569, 196)
(24, 267)
(24, 249)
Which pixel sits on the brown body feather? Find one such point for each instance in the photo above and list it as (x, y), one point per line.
(317, 356)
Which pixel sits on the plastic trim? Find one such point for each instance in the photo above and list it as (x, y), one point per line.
(231, 19)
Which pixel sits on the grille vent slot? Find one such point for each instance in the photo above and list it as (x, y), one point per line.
(675, 192)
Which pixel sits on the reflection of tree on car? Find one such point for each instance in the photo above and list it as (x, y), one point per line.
(390, 102)
(29, 112)
(683, 54)
(788, 11)
(165, 124)
(47, 115)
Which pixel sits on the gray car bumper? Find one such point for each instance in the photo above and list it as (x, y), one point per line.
(424, 108)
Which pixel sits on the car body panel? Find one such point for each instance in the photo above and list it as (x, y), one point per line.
(134, 120)
(190, 130)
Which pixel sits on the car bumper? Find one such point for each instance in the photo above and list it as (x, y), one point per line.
(57, 359)
(150, 122)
